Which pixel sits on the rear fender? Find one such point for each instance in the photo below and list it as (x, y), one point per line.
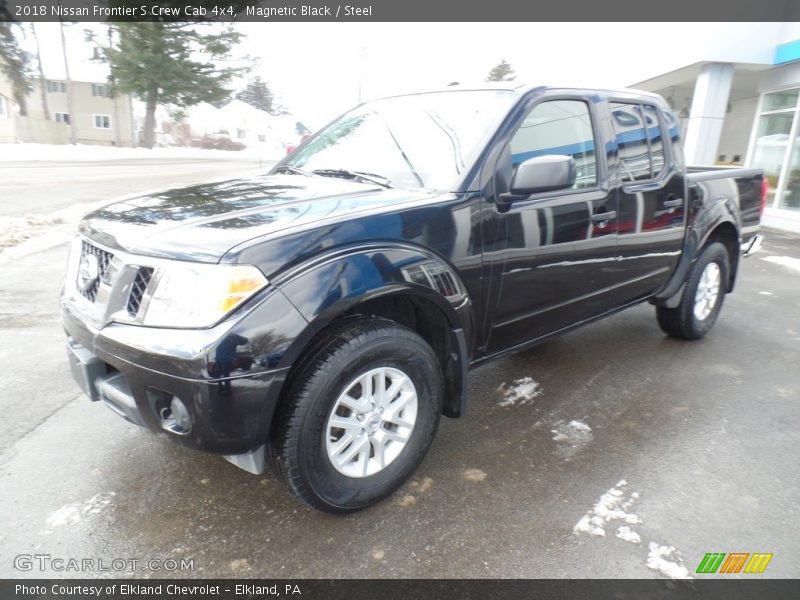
(711, 215)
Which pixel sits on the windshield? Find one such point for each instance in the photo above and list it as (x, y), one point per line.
(421, 141)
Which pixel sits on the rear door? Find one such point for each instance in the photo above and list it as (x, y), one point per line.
(548, 255)
(651, 206)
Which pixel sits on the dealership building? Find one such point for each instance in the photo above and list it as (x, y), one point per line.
(737, 100)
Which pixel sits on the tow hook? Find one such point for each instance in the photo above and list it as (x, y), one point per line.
(175, 418)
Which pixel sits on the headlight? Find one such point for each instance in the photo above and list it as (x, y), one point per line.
(199, 295)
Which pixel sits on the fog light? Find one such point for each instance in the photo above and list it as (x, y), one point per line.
(176, 419)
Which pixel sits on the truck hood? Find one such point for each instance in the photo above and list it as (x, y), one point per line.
(201, 223)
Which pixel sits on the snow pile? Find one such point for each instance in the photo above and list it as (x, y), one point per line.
(521, 391)
(60, 225)
(612, 506)
(660, 558)
(90, 152)
(73, 513)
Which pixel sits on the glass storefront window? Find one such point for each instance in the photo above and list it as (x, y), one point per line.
(769, 150)
(790, 198)
(780, 100)
(778, 122)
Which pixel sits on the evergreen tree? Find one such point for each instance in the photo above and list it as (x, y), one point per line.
(158, 63)
(15, 64)
(257, 94)
(501, 72)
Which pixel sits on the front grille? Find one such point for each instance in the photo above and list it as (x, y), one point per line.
(86, 286)
(138, 289)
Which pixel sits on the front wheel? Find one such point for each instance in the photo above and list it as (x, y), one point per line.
(360, 415)
(702, 296)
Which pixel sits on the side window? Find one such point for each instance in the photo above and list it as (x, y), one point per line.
(559, 127)
(640, 142)
(655, 138)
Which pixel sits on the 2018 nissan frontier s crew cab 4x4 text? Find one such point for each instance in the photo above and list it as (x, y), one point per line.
(324, 315)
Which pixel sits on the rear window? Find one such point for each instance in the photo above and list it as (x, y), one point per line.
(640, 142)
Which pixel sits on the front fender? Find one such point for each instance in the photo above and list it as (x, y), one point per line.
(330, 286)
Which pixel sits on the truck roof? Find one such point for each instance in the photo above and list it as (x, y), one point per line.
(524, 88)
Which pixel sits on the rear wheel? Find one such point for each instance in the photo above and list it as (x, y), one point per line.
(702, 296)
(360, 415)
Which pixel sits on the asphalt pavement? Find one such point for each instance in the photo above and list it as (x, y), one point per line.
(38, 187)
(626, 454)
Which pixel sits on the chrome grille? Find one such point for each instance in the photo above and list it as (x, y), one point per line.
(103, 263)
(138, 288)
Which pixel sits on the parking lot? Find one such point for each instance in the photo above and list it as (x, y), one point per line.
(626, 454)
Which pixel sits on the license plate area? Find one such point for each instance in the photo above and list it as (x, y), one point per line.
(86, 368)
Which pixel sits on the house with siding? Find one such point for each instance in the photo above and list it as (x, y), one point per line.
(98, 118)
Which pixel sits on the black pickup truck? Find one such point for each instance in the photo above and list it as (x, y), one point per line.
(324, 315)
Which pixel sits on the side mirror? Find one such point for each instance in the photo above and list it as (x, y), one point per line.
(545, 173)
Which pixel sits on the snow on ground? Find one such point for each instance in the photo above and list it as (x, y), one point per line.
(521, 391)
(571, 438)
(22, 236)
(784, 261)
(73, 513)
(624, 532)
(667, 561)
(614, 506)
(611, 506)
(89, 152)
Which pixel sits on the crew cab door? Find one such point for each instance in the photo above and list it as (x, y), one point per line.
(547, 255)
(651, 205)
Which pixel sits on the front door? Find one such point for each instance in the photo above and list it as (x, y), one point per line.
(548, 256)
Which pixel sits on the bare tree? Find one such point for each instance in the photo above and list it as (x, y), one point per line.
(73, 127)
(43, 81)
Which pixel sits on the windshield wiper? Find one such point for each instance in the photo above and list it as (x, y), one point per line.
(357, 175)
(291, 169)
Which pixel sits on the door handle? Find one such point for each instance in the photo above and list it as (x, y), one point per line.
(606, 216)
(673, 203)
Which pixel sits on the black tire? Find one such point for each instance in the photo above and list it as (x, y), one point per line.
(681, 321)
(348, 349)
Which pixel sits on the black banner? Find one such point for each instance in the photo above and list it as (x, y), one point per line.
(400, 589)
(396, 10)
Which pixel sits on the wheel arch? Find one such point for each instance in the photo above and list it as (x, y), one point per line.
(698, 238)
(727, 234)
(402, 284)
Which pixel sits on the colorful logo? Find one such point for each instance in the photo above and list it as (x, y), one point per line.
(736, 562)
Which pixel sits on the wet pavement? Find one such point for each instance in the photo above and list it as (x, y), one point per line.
(34, 187)
(692, 447)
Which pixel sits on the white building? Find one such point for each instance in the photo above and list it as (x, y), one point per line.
(243, 123)
(738, 102)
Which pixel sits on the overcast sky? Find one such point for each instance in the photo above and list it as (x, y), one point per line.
(317, 69)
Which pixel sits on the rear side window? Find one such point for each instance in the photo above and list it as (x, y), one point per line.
(640, 143)
(559, 127)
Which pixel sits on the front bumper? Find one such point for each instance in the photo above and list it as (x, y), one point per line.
(138, 372)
